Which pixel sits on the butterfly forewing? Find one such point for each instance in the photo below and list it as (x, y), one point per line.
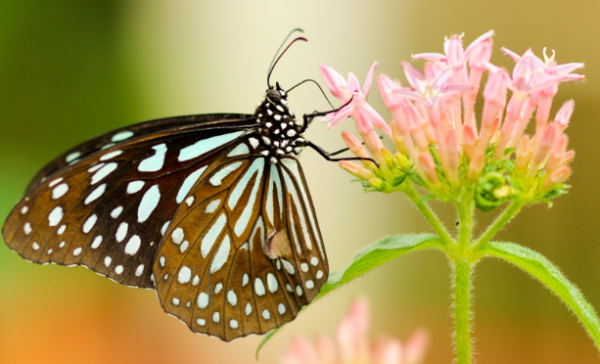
(105, 141)
(107, 210)
(247, 254)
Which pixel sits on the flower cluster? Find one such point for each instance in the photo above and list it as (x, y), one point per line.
(441, 146)
(354, 346)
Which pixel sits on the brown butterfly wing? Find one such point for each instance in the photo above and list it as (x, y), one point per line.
(247, 255)
(107, 140)
(106, 211)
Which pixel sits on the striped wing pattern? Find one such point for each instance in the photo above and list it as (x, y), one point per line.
(191, 206)
(246, 254)
(106, 211)
(105, 141)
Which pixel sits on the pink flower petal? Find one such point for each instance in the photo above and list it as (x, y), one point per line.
(353, 85)
(416, 347)
(338, 116)
(334, 80)
(387, 351)
(369, 79)
(433, 57)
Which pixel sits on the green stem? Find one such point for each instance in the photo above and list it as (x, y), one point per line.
(462, 310)
(465, 213)
(433, 220)
(510, 212)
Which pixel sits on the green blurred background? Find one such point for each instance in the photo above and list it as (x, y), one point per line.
(70, 70)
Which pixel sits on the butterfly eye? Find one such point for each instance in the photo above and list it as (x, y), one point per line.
(274, 96)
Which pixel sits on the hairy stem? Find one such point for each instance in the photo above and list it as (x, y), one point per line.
(465, 213)
(433, 220)
(510, 212)
(462, 310)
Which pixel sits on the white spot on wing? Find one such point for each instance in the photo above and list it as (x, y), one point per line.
(188, 183)
(55, 182)
(103, 172)
(55, 216)
(274, 181)
(177, 235)
(116, 212)
(248, 309)
(97, 241)
(206, 145)
(121, 136)
(272, 283)
(241, 149)
(133, 245)
(95, 194)
(184, 276)
(111, 155)
(155, 162)
(242, 223)
(221, 255)
(259, 287)
(218, 177)
(71, 157)
(135, 186)
(59, 191)
(254, 142)
(121, 231)
(212, 207)
(242, 183)
(288, 266)
(211, 236)
(27, 228)
(89, 223)
(232, 298)
(148, 204)
(202, 300)
(139, 270)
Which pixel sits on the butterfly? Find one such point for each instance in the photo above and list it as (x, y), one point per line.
(212, 211)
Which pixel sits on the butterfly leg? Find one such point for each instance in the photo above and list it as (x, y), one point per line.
(327, 155)
(308, 118)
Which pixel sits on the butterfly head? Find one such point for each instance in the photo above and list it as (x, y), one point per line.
(279, 131)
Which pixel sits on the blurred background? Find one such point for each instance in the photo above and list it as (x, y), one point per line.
(70, 70)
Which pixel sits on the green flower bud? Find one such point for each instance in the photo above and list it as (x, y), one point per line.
(491, 191)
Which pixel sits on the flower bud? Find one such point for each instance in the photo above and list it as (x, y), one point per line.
(453, 156)
(357, 170)
(543, 149)
(556, 178)
(476, 166)
(469, 141)
(490, 191)
(427, 168)
(523, 154)
(557, 154)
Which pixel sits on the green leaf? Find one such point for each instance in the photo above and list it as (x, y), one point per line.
(369, 258)
(542, 269)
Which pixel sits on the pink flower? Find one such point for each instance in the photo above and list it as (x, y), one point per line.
(430, 86)
(365, 116)
(353, 346)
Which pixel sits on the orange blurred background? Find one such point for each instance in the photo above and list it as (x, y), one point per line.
(70, 70)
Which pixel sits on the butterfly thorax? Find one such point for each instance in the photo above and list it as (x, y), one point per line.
(279, 130)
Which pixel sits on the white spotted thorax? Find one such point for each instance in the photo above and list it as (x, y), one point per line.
(280, 132)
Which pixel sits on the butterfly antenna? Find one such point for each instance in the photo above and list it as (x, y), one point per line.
(281, 46)
(316, 83)
(282, 53)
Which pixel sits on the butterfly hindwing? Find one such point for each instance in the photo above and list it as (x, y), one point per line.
(247, 255)
(106, 211)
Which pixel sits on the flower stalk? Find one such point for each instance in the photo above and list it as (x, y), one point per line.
(442, 149)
